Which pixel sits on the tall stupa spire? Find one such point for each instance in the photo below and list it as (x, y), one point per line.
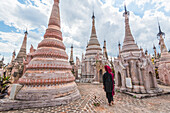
(155, 53)
(105, 50)
(93, 17)
(160, 35)
(22, 53)
(49, 72)
(55, 15)
(93, 46)
(126, 12)
(13, 57)
(71, 56)
(53, 29)
(93, 32)
(129, 42)
(160, 31)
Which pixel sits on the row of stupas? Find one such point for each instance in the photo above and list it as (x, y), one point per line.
(134, 70)
(91, 67)
(46, 73)
(46, 76)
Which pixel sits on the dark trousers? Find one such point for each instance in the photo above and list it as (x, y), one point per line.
(109, 96)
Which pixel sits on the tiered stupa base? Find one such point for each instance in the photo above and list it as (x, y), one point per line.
(43, 96)
(49, 92)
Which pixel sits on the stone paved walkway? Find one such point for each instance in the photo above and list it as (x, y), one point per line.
(94, 94)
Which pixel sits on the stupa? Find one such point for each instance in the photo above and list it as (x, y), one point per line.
(1, 67)
(92, 65)
(16, 66)
(48, 75)
(71, 56)
(22, 53)
(72, 63)
(2, 63)
(134, 71)
(105, 50)
(93, 47)
(164, 60)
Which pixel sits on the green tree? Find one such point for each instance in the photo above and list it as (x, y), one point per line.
(4, 85)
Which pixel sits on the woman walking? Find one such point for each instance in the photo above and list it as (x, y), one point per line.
(108, 84)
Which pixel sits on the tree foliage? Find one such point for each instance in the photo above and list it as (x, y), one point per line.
(4, 85)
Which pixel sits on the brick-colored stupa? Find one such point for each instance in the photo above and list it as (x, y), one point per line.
(48, 75)
(22, 53)
(16, 66)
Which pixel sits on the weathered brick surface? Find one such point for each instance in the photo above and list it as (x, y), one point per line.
(7, 104)
(48, 92)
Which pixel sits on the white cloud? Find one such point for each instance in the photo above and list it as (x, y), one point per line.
(70, 41)
(76, 23)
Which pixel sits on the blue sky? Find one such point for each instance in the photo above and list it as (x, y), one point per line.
(17, 15)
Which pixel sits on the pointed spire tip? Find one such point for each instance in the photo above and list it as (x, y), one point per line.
(125, 7)
(160, 31)
(93, 15)
(119, 44)
(26, 32)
